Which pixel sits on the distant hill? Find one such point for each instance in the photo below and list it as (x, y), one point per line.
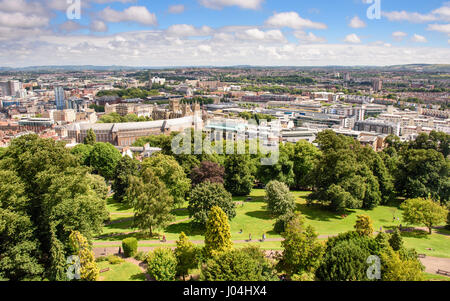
(410, 67)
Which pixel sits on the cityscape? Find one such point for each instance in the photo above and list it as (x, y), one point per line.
(235, 154)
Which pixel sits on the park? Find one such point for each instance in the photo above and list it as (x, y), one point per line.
(253, 218)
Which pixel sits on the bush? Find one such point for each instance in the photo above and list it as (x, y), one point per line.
(162, 264)
(130, 246)
(282, 221)
(113, 259)
(101, 259)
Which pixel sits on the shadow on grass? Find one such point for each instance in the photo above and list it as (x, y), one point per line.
(140, 277)
(188, 228)
(183, 212)
(121, 236)
(119, 206)
(415, 234)
(265, 215)
(319, 212)
(126, 224)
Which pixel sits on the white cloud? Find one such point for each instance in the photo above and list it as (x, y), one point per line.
(259, 35)
(219, 4)
(443, 12)
(98, 26)
(352, 38)
(176, 9)
(138, 14)
(292, 20)
(399, 35)
(356, 22)
(185, 30)
(309, 38)
(418, 39)
(444, 28)
(412, 17)
(20, 20)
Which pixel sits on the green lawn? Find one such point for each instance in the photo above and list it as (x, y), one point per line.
(253, 217)
(434, 277)
(125, 271)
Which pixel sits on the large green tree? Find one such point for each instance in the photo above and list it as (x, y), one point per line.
(53, 197)
(162, 264)
(126, 167)
(167, 169)
(186, 254)
(151, 201)
(239, 179)
(205, 196)
(424, 212)
(279, 199)
(104, 158)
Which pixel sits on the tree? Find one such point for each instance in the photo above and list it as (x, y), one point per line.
(279, 199)
(151, 201)
(126, 167)
(424, 211)
(346, 256)
(207, 172)
(342, 179)
(90, 138)
(423, 173)
(304, 157)
(80, 247)
(396, 268)
(104, 158)
(167, 169)
(238, 175)
(204, 197)
(396, 240)
(302, 252)
(162, 264)
(247, 264)
(364, 225)
(186, 255)
(82, 152)
(53, 196)
(282, 170)
(218, 235)
(130, 246)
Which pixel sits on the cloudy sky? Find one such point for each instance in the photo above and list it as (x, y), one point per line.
(223, 32)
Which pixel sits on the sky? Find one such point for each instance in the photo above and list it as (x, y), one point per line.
(158, 33)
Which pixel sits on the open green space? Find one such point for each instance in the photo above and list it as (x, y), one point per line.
(253, 218)
(124, 271)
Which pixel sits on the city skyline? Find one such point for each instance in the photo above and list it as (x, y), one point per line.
(223, 33)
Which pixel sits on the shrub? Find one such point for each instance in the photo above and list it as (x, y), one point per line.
(282, 221)
(162, 264)
(113, 259)
(130, 246)
(101, 258)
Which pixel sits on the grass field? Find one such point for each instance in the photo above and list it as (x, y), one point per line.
(125, 271)
(253, 218)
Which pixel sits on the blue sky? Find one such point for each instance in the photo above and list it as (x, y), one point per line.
(224, 32)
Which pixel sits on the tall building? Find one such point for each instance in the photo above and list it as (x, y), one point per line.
(59, 97)
(377, 85)
(10, 88)
(347, 77)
